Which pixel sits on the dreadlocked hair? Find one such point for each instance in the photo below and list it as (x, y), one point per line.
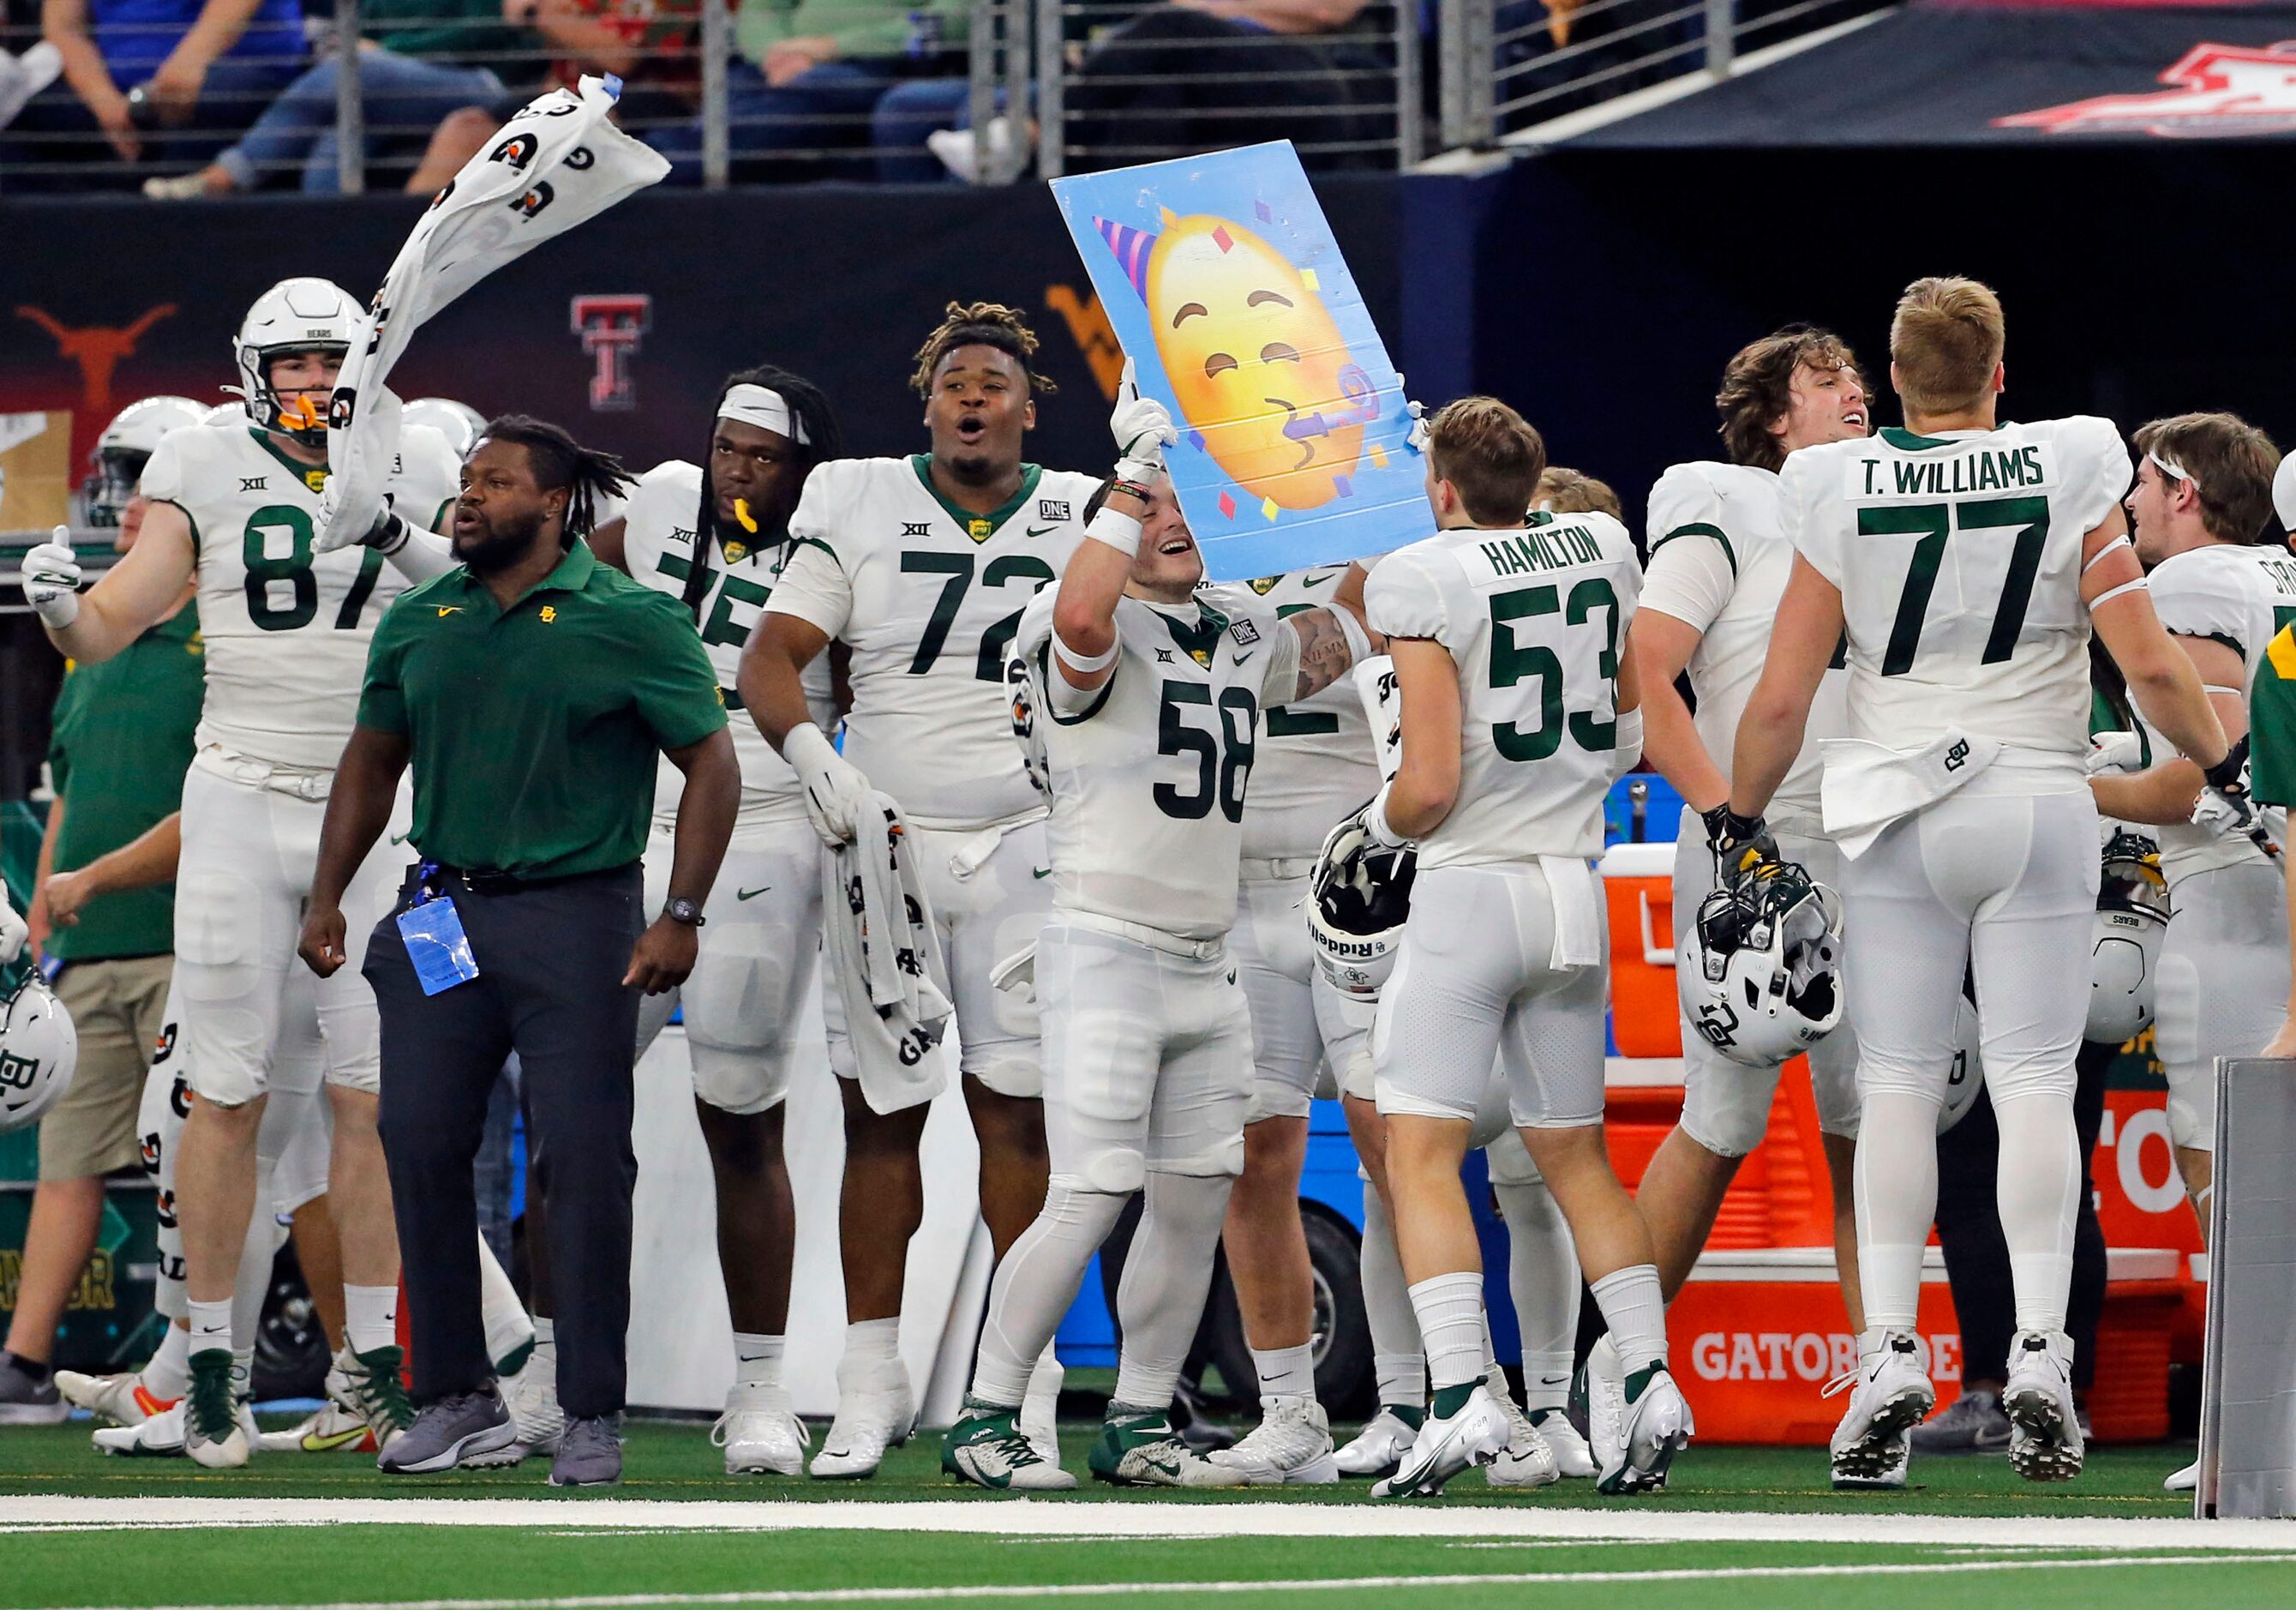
(979, 325)
(823, 441)
(559, 462)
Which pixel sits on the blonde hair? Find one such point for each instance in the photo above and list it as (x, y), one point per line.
(1491, 457)
(1575, 492)
(1946, 341)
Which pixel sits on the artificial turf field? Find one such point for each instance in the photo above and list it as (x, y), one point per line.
(1739, 1526)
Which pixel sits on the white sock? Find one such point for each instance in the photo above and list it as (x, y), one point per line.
(1040, 1409)
(509, 1332)
(546, 1335)
(1400, 1366)
(1167, 1276)
(757, 1360)
(874, 1341)
(1897, 1202)
(1285, 1372)
(371, 1317)
(1034, 1285)
(1636, 1313)
(252, 1282)
(210, 1326)
(168, 1374)
(2038, 1192)
(1450, 1309)
(1543, 1279)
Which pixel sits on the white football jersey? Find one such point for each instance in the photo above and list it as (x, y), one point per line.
(1959, 560)
(287, 629)
(928, 597)
(1316, 761)
(659, 522)
(2241, 596)
(1149, 772)
(1535, 620)
(1719, 564)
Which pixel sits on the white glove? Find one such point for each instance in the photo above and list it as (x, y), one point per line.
(2116, 752)
(836, 790)
(1142, 426)
(339, 527)
(51, 580)
(13, 932)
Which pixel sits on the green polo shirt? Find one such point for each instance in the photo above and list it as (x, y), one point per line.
(121, 741)
(537, 730)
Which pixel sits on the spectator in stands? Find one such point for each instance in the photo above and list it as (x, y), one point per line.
(814, 71)
(416, 67)
(167, 70)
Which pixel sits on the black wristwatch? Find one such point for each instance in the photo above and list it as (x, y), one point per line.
(683, 910)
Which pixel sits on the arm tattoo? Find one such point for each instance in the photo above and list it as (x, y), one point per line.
(1323, 652)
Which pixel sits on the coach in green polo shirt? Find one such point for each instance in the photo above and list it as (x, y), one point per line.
(533, 690)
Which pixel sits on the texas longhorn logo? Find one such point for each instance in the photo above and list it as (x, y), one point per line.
(95, 349)
(2220, 90)
(610, 328)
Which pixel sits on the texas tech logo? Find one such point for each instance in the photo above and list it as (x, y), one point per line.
(2220, 90)
(610, 328)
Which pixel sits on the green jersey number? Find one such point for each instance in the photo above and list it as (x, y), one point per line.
(720, 630)
(1513, 663)
(1222, 759)
(1935, 523)
(988, 663)
(266, 570)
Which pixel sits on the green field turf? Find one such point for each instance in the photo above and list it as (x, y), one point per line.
(491, 1557)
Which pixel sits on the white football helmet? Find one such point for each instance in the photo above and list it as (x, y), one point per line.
(1760, 972)
(234, 412)
(1967, 1076)
(459, 422)
(2132, 920)
(38, 1049)
(301, 315)
(126, 446)
(1358, 898)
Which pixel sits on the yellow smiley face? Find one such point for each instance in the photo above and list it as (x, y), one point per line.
(1256, 362)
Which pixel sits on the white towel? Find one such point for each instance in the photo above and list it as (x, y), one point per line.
(883, 961)
(1866, 786)
(1578, 912)
(558, 163)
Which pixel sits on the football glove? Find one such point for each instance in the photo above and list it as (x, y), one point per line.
(1142, 426)
(52, 578)
(2224, 806)
(1742, 845)
(836, 790)
(2115, 752)
(13, 932)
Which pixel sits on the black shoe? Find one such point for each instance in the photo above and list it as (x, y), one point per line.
(589, 1452)
(27, 1400)
(471, 1428)
(1972, 1423)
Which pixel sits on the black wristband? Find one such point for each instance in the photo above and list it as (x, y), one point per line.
(2225, 773)
(388, 534)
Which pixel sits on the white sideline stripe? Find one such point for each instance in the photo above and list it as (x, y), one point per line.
(1035, 1517)
(1314, 1584)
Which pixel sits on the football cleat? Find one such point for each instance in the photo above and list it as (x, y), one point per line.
(122, 1400)
(1889, 1394)
(218, 1430)
(2183, 1481)
(760, 1433)
(1382, 1444)
(2045, 1431)
(1572, 1457)
(875, 1412)
(1655, 1426)
(1138, 1448)
(1602, 1383)
(988, 1448)
(160, 1436)
(373, 1389)
(1526, 1460)
(1476, 1434)
(1865, 1474)
(333, 1429)
(531, 1396)
(1291, 1446)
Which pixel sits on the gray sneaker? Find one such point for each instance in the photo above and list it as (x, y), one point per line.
(471, 1428)
(25, 1401)
(1972, 1423)
(589, 1452)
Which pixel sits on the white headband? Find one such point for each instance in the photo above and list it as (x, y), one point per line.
(765, 408)
(2169, 466)
(2284, 492)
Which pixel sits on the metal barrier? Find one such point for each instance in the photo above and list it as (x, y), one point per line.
(1004, 88)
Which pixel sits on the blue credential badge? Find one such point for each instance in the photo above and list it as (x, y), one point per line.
(432, 930)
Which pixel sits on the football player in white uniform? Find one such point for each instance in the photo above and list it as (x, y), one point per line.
(232, 512)
(2200, 508)
(716, 535)
(1719, 564)
(920, 566)
(1518, 712)
(1966, 561)
(1142, 701)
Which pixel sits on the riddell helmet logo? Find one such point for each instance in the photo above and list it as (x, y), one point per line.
(2220, 90)
(610, 328)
